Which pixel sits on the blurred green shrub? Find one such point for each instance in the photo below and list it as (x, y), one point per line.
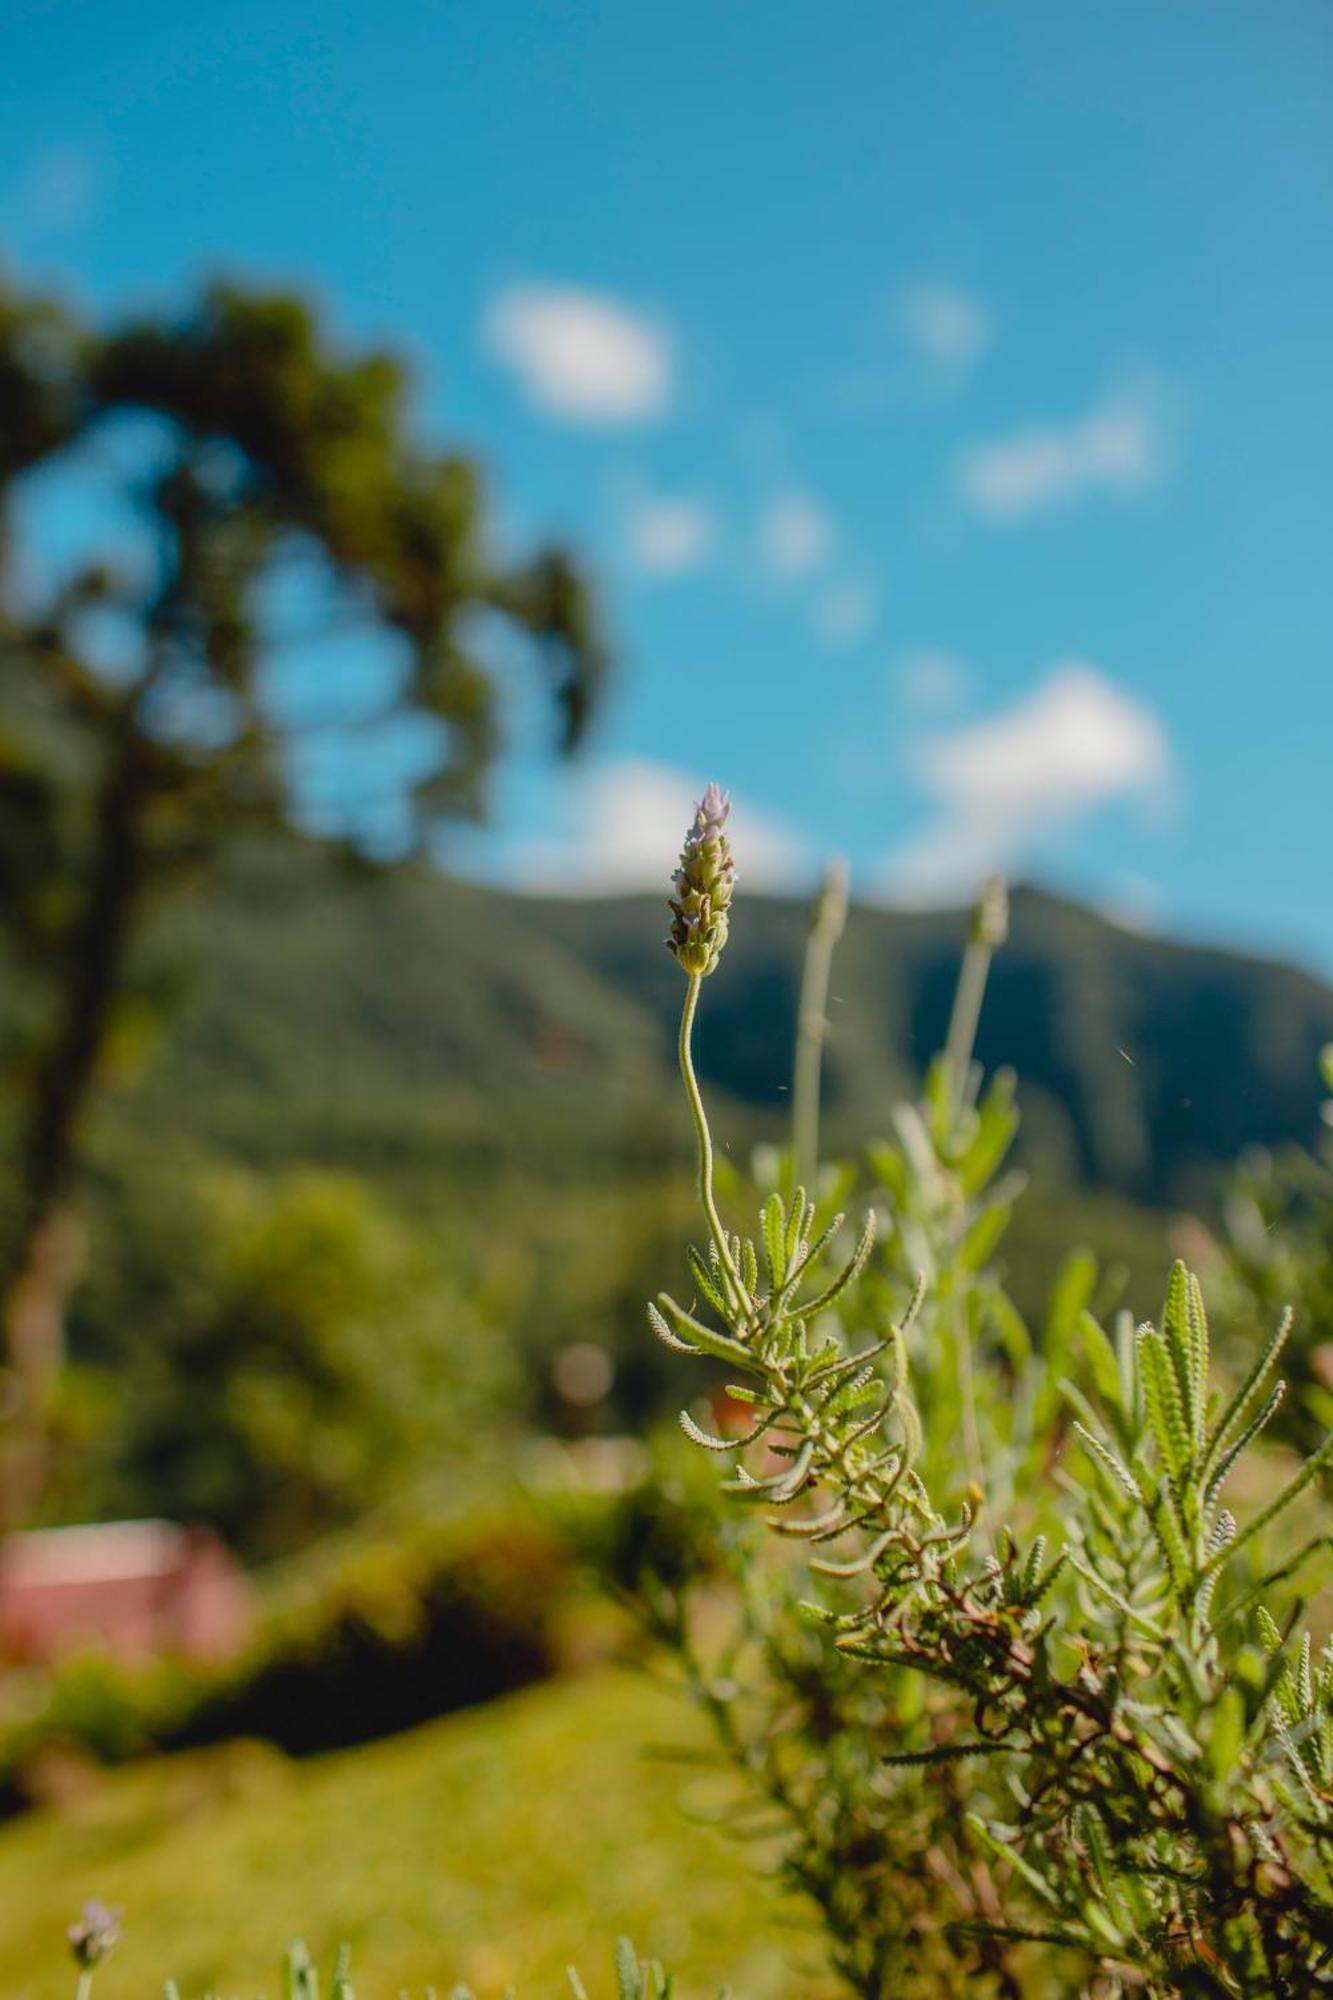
(391, 1632)
(1277, 1246)
(367, 1635)
(269, 1357)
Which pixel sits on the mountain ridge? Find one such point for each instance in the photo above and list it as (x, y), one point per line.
(425, 1011)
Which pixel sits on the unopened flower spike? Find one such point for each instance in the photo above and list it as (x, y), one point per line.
(96, 1931)
(703, 884)
(990, 921)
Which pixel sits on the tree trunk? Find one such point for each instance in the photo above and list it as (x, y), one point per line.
(47, 1255)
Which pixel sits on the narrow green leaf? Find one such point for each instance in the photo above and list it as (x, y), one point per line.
(628, 1979)
(997, 1125)
(1200, 1348)
(1227, 1463)
(974, 1252)
(1177, 1341)
(704, 1279)
(689, 1329)
(1004, 1852)
(850, 1271)
(1101, 1359)
(1107, 1459)
(1161, 1395)
(1071, 1295)
(1313, 1466)
(948, 1753)
(1253, 1380)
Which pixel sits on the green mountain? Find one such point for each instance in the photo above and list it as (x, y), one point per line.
(416, 1025)
(500, 1072)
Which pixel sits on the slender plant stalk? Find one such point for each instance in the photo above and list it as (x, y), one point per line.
(967, 1396)
(705, 1139)
(989, 925)
(826, 927)
(967, 999)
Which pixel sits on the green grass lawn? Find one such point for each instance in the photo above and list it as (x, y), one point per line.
(493, 1846)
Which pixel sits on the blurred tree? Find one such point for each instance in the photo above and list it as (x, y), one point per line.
(141, 727)
(342, 1362)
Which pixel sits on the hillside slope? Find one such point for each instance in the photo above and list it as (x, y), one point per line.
(419, 1023)
(492, 1846)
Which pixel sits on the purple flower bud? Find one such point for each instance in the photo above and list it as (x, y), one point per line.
(703, 884)
(91, 1938)
(712, 810)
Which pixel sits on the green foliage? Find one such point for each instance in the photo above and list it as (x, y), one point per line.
(342, 1362)
(535, 1035)
(374, 1633)
(636, 1979)
(1278, 1245)
(1010, 1708)
(98, 1933)
(141, 727)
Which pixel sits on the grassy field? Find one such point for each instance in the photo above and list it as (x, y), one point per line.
(493, 1846)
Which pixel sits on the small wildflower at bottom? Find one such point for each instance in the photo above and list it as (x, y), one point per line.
(94, 1933)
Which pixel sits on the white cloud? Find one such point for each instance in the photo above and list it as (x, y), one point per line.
(844, 614)
(1119, 446)
(946, 326)
(1074, 743)
(795, 534)
(620, 826)
(57, 191)
(582, 356)
(668, 535)
(931, 682)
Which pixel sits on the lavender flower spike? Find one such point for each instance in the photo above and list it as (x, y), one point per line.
(91, 1938)
(703, 884)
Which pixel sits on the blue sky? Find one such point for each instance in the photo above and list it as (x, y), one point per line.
(941, 393)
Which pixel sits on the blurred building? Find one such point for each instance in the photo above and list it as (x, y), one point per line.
(136, 1589)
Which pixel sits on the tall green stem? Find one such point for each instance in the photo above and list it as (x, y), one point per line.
(705, 1138)
(971, 991)
(967, 1394)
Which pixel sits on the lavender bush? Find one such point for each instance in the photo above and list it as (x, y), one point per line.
(1033, 1708)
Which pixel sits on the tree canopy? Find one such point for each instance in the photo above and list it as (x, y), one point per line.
(245, 466)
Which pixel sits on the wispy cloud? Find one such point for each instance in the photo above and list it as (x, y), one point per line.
(584, 357)
(928, 339)
(795, 534)
(668, 534)
(930, 681)
(620, 825)
(946, 326)
(55, 193)
(1119, 446)
(1073, 744)
(844, 614)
